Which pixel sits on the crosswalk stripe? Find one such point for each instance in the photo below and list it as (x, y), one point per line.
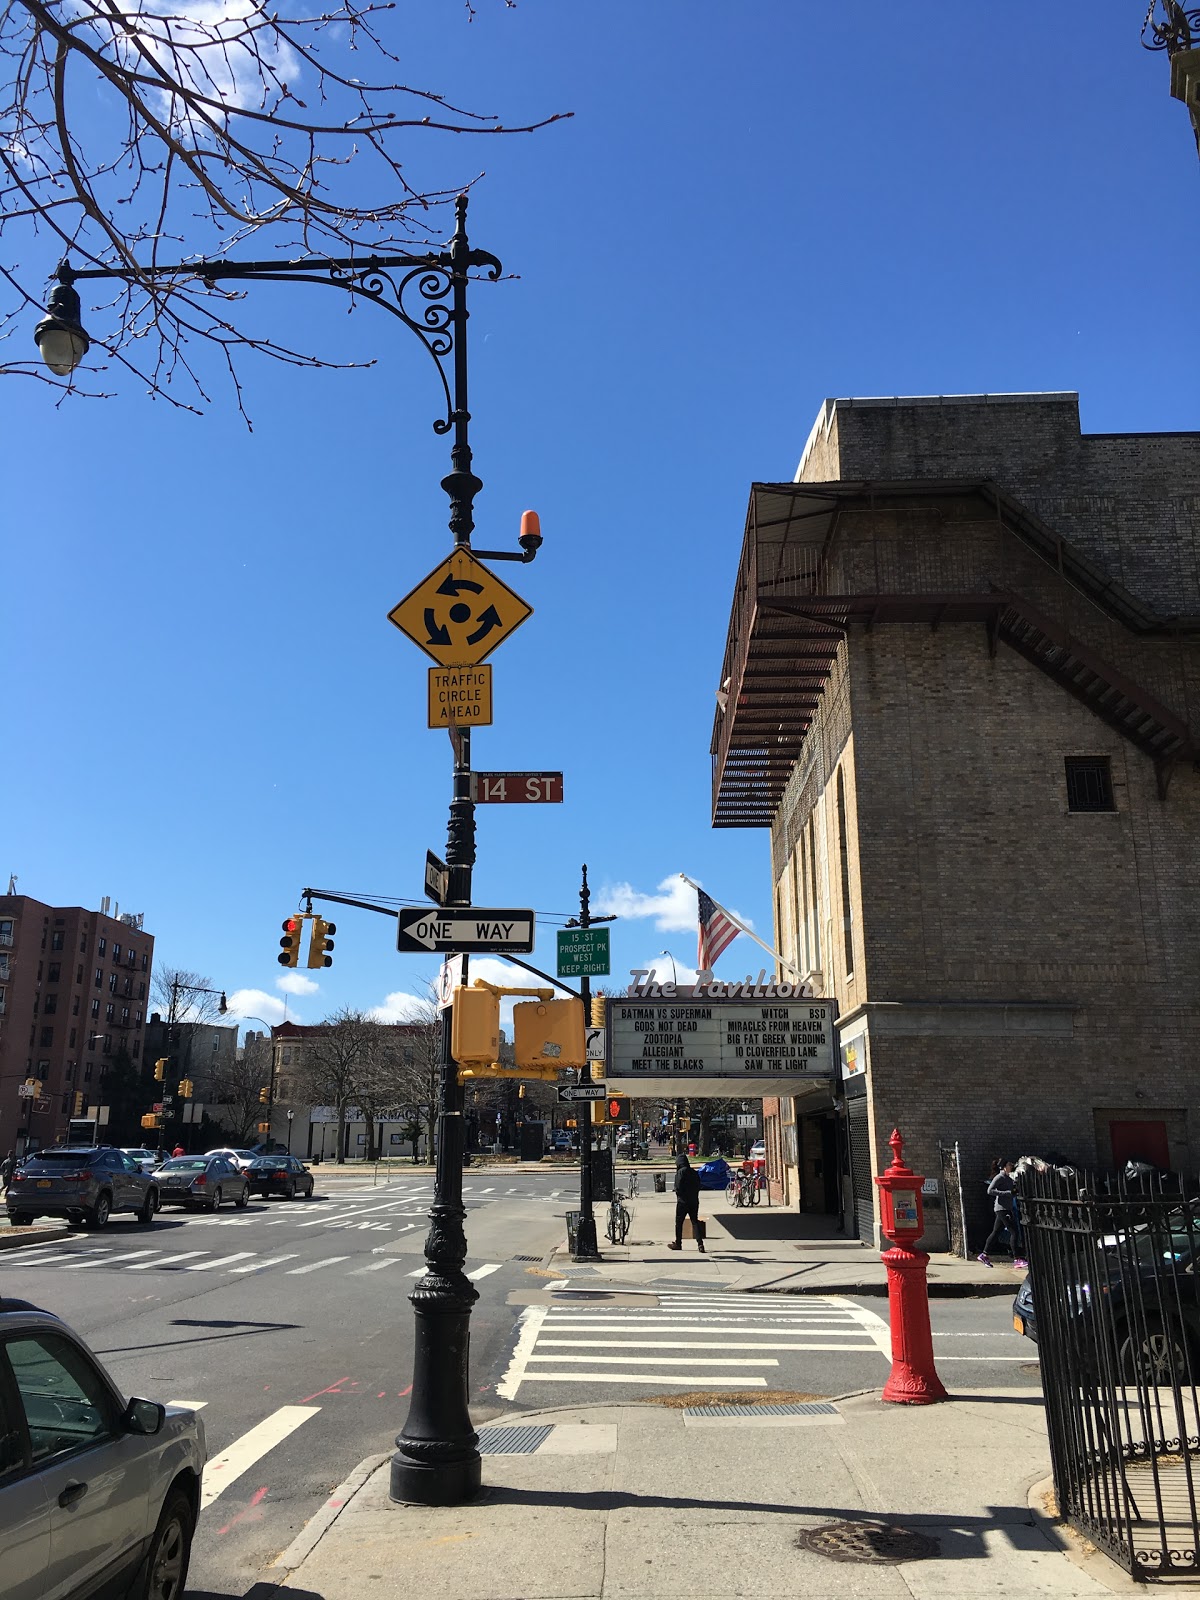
(700, 1344)
(104, 1261)
(221, 1261)
(164, 1261)
(665, 1361)
(226, 1468)
(271, 1261)
(482, 1272)
(419, 1273)
(848, 1329)
(315, 1266)
(713, 1380)
(192, 1405)
(376, 1266)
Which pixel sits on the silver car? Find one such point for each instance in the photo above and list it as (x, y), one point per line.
(98, 1494)
(202, 1181)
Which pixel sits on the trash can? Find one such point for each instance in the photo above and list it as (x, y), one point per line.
(574, 1218)
(660, 1183)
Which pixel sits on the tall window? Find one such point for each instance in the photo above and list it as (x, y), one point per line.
(800, 901)
(844, 854)
(812, 889)
(1089, 784)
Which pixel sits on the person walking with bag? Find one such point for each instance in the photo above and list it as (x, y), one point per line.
(1004, 1218)
(687, 1202)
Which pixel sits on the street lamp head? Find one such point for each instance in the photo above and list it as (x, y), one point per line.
(530, 536)
(59, 335)
(223, 1007)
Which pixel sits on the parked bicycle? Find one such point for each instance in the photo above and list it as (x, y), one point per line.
(743, 1189)
(618, 1218)
(633, 1185)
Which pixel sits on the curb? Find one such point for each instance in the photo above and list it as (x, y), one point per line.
(1084, 1556)
(11, 1239)
(317, 1526)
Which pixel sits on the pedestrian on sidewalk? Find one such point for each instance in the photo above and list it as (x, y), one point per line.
(1001, 1189)
(6, 1170)
(687, 1202)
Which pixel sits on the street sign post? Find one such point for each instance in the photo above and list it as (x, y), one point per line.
(460, 697)
(517, 788)
(460, 612)
(583, 953)
(437, 878)
(469, 930)
(581, 1091)
(595, 1044)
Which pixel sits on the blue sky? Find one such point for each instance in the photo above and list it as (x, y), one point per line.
(753, 207)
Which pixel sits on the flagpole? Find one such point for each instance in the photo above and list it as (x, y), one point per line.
(741, 926)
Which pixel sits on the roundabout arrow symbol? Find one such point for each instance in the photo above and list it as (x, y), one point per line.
(438, 634)
(488, 620)
(455, 586)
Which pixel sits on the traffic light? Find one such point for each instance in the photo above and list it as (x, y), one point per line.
(152, 1120)
(549, 1034)
(320, 943)
(78, 1103)
(185, 1088)
(160, 1069)
(598, 1003)
(264, 1127)
(264, 1095)
(289, 945)
(520, 1091)
(475, 1027)
(616, 1108)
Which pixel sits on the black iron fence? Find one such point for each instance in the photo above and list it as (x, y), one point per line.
(1114, 1298)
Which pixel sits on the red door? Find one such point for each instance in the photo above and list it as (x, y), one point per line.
(1140, 1141)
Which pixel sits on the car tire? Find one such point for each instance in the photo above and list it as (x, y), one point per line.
(148, 1208)
(97, 1217)
(290, 1192)
(20, 1219)
(308, 1193)
(215, 1203)
(1159, 1358)
(165, 1568)
(243, 1200)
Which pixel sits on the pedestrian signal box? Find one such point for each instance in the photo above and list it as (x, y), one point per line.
(616, 1109)
(475, 1027)
(549, 1033)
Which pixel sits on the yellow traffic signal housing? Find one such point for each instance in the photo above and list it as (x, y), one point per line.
(475, 1027)
(616, 1109)
(78, 1103)
(185, 1088)
(152, 1120)
(549, 1034)
(160, 1069)
(264, 1095)
(264, 1127)
(320, 942)
(598, 1004)
(289, 945)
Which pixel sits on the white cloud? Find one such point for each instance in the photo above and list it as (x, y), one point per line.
(296, 983)
(673, 907)
(400, 1007)
(666, 971)
(256, 1003)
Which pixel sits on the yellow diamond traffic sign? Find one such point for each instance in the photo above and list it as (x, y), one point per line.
(460, 612)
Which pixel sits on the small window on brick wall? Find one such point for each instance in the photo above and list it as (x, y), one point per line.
(1089, 784)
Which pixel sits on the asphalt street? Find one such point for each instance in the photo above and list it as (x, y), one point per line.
(289, 1324)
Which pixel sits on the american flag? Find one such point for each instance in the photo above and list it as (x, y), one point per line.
(717, 931)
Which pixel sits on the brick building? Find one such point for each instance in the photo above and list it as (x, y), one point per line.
(962, 689)
(73, 989)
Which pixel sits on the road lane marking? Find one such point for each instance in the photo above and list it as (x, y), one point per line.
(221, 1261)
(492, 1190)
(315, 1266)
(701, 1344)
(843, 1331)
(184, 1255)
(482, 1272)
(271, 1261)
(663, 1361)
(530, 1323)
(719, 1380)
(872, 1324)
(226, 1468)
(192, 1405)
(419, 1273)
(106, 1260)
(376, 1266)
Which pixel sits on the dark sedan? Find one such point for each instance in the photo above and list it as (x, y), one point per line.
(285, 1175)
(202, 1182)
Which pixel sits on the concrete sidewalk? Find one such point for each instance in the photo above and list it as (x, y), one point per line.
(646, 1502)
(766, 1248)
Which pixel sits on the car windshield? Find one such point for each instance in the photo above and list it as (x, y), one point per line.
(184, 1164)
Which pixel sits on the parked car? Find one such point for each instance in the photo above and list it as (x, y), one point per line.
(758, 1151)
(65, 1427)
(202, 1182)
(560, 1143)
(1153, 1339)
(83, 1183)
(148, 1160)
(240, 1158)
(285, 1175)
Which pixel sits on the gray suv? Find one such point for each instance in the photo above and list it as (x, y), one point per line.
(85, 1184)
(98, 1493)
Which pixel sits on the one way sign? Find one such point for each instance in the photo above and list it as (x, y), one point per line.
(469, 930)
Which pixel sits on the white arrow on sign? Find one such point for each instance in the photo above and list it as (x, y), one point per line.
(582, 1091)
(595, 1044)
(469, 929)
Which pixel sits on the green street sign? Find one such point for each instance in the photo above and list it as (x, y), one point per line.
(583, 953)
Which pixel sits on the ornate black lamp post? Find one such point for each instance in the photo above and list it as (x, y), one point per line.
(1179, 35)
(436, 1461)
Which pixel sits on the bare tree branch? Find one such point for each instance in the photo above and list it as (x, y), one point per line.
(130, 127)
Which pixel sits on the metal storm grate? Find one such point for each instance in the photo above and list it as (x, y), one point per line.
(513, 1441)
(524, 1258)
(876, 1543)
(791, 1409)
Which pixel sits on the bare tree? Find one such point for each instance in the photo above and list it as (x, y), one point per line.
(137, 133)
(335, 1065)
(181, 996)
(236, 1089)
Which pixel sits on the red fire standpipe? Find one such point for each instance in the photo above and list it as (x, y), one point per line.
(913, 1380)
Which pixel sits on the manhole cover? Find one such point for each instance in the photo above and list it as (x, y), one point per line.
(875, 1542)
